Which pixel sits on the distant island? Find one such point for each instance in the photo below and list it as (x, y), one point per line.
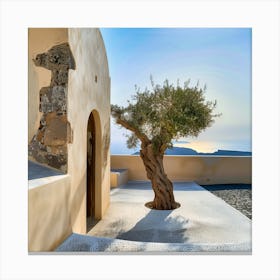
(190, 152)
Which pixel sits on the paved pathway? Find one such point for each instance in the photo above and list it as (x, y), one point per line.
(203, 223)
(237, 195)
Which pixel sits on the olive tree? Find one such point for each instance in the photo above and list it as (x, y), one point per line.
(155, 118)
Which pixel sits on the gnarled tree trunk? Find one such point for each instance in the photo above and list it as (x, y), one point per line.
(162, 186)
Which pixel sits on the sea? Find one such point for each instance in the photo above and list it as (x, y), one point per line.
(120, 148)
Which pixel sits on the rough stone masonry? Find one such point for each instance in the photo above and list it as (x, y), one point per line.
(49, 144)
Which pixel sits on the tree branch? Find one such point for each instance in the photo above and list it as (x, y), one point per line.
(163, 147)
(126, 125)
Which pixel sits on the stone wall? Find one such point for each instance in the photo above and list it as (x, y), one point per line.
(49, 144)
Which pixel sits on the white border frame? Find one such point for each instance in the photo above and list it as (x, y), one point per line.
(262, 16)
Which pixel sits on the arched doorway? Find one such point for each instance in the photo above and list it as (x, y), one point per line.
(92, 172)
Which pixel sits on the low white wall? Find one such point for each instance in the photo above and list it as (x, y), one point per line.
(49, 220)
(201, 169)
(118, 177)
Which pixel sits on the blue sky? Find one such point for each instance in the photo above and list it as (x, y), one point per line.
(217, 57)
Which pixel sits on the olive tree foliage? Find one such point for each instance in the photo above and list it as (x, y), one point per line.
(156, 117)
(165, 113)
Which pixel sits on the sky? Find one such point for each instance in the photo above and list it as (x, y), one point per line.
(219, 58)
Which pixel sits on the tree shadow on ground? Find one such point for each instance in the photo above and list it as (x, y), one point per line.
(157, 226)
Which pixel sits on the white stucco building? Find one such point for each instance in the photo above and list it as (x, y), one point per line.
(69, 130)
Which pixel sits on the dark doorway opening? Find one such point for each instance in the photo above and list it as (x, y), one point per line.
(91, 170)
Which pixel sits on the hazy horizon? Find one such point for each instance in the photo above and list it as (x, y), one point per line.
(200, 147)
(217, 57)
